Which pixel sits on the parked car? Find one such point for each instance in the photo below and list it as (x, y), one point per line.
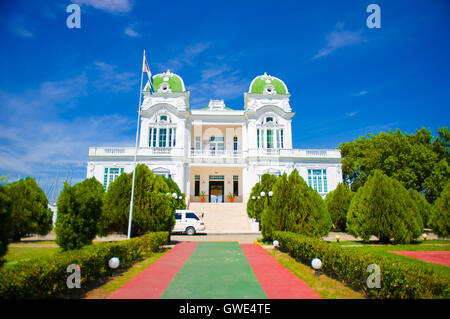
(188, 222)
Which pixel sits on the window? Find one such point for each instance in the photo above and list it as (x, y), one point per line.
(150, 137)
(162, 137)
(235, 185)
(269, 139)
(174, 137)
(154, 137)
(170, 137)
(281, 138)
(216, 177)
(235, 143)
(111, 175)
(197, 185)
(269, 119)
(197, 142)
(257, 138)
(192, 215)
(163, 118)
(177, 216)
(317, 179)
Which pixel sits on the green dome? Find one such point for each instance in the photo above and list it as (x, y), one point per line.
(266, 84)
(167, 82)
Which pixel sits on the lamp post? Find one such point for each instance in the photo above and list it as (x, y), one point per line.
(316, 263)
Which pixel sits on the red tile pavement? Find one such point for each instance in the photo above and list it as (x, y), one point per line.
(153, 280)
(276, 280)
(437, 257)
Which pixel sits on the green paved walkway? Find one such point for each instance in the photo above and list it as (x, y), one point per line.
(215, 270)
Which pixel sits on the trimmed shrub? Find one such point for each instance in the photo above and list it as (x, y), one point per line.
(338, 202)
(398, 279)
(29, 209)
(5, 223)
(79, 210)
(256, 206)
(295, 207)
(424, 207)
(47, 276)
(153, 210)
(440, 220)
(383, 208)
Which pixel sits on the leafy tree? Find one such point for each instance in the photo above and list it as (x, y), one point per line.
(440, 218)
(338, 202)
(29, 209)
(256, 206)
(295, 207)
(415, 160)
(79, 210)
(173, 188)
(383, 208)
(5, 222)
(153, 209)
(422, 204)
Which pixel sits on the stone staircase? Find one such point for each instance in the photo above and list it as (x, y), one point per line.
(224, 218)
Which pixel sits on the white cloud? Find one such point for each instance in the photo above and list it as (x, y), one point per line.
(22, 32)
(337, 39)
(113, 6)
(360, 93)
(115, 81)
(351, 114)
(131, 32)
(185, 57)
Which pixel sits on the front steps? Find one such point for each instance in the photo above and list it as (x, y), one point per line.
(224, 218)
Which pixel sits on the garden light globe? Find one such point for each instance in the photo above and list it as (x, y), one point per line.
(262, 194)
(174, 195)
(337, 238)
(276, 243)
(114, 263)
(253, 197)
(316, 263)
(425, 236)
(270, 194)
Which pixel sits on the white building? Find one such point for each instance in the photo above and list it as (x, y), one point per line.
(218, 150)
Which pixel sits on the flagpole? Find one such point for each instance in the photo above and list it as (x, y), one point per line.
(130, 217)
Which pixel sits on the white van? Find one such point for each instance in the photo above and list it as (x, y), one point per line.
(188, 222)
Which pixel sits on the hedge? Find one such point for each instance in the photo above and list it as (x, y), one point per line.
(398, 279)
(46, 276)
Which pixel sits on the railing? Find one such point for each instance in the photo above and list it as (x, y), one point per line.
(129, 151)
(215, 153)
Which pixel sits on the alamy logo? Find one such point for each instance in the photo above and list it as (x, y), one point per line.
(374, 279)
(73, 20)
(374, 20)
(73, 280)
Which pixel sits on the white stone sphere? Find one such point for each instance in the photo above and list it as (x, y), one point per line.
(316, 263)
(276, 243)
(114, 263)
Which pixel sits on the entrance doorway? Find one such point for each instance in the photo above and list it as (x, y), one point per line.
(216, 190)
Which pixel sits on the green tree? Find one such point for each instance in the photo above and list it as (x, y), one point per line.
(173, 188)
(422, 204)
(295, 207)
(415, 160)
(383, 208)
(338, 202)
(79, 210)
(5, 221)
(256, 206)
(440, 218)
(29, 209)
(153, 209)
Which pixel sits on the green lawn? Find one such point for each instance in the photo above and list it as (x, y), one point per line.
(26, 251)
(383, 250)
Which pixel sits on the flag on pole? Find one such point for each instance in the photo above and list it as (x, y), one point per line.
(146, 69)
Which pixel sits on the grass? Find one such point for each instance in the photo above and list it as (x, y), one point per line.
(325, 286)
(25, 251)
(383, 250)
(102, 289)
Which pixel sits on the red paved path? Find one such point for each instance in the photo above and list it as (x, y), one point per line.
(276, 280)
(437, 257)
(153, 280)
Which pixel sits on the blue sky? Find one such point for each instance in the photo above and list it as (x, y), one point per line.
(63, 90)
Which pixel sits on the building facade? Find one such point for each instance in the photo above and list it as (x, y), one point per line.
(216, 151)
